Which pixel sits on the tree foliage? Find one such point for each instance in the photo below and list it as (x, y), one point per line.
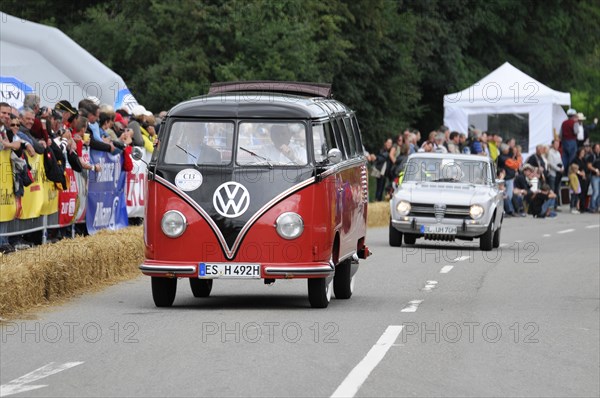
(392, 61)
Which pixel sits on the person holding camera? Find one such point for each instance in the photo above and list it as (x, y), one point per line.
(556, 169)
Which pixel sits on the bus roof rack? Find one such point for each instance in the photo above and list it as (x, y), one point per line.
(297, 88)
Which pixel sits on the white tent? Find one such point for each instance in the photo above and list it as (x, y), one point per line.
(42, 59)
(511, 103)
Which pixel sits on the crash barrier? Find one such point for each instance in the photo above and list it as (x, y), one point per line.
(101, 200)
(46, 274)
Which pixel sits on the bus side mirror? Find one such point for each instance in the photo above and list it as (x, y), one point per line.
(137, 153)
(334, 156)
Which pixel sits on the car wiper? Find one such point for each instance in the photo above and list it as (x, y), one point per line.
(258, 156)
(194, 156)
(446, 180)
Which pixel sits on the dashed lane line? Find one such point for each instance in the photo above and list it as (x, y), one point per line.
(359, 374)
(593, 226)
(446, 268)
(429, 286)
(462, 258)
(566, 231)
(412, 306)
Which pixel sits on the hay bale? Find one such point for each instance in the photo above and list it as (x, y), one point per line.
(378, 214)
(47, 273)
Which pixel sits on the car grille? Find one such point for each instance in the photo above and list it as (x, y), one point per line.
(429, 210)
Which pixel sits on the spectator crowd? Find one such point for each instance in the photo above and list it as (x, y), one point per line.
(531, 186)
(60, 134)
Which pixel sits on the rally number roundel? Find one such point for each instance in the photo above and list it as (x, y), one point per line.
(188, 180)
(231, 199)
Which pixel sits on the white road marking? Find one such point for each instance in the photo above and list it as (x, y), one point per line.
(412, 306)
(547, 235)
(503, 245)
(593, 226)
(462, 258)
(519, 241)
(565, 231)
(429, 286)
(359, 374)
(446, 268)
(18, 385)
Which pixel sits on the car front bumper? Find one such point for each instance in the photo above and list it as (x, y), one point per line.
(466, 228)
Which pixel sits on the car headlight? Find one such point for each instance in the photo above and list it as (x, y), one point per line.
(476, 212)
(173, 224)
(403, 208)
(289, 225)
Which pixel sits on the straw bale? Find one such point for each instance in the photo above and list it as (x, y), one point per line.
(49, 273)
(378, 214)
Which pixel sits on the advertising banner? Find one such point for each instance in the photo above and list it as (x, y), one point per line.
(106, 206)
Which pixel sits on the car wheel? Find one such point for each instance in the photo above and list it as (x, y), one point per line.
(163, 291)
(395, 236)
(496, 241)
(201, 287)
(319, 292)
(486, 240)
(343, 280)
(410, 239)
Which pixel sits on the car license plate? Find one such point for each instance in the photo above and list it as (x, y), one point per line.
(439, 229)
(228, 270)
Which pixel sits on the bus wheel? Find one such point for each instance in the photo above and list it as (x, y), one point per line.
(163, 291)
(319, 292)
(343, 281)
(201, 287)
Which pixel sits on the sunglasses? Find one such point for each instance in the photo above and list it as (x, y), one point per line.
(14, 125)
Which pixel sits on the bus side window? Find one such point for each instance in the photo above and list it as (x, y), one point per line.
(350, 135)
(342, 139)
(332, 132)
(357, 136)
(321, 144)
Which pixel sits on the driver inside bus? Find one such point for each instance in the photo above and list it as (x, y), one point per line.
(192, 141)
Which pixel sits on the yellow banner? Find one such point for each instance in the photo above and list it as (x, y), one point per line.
(50, 204)
(8, 206)
(33, 198)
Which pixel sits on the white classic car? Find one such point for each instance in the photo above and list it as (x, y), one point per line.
(447, 197)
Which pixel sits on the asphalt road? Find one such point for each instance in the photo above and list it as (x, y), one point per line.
(428, 320)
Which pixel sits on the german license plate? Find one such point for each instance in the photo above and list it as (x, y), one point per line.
(439, 229)
(228, 270)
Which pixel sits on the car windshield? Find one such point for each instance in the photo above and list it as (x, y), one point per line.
(272, 144)
(200, 142)
(447, 170)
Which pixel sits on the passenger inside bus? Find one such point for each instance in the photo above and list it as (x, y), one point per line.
(285, 150)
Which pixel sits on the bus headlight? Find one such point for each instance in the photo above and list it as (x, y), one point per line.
(289, 225)
(403, 208)
(476, 212)
(173, 224)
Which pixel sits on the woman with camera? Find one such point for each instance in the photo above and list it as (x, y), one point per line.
(555, 169)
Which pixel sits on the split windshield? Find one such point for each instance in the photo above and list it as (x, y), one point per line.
(211, 143)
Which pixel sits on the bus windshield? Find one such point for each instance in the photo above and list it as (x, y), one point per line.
(200, 142)
(273, 144)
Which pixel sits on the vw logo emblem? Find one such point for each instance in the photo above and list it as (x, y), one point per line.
(231, 199)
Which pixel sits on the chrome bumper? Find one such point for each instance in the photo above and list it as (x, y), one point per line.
(299, 271)
(465, 228)
(160, 269)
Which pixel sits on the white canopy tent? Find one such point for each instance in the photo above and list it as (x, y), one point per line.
(506, 101)
(42, 59)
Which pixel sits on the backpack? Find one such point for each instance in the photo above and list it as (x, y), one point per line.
(55, 171)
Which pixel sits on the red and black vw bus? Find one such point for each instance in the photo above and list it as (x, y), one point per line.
(257, 180)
